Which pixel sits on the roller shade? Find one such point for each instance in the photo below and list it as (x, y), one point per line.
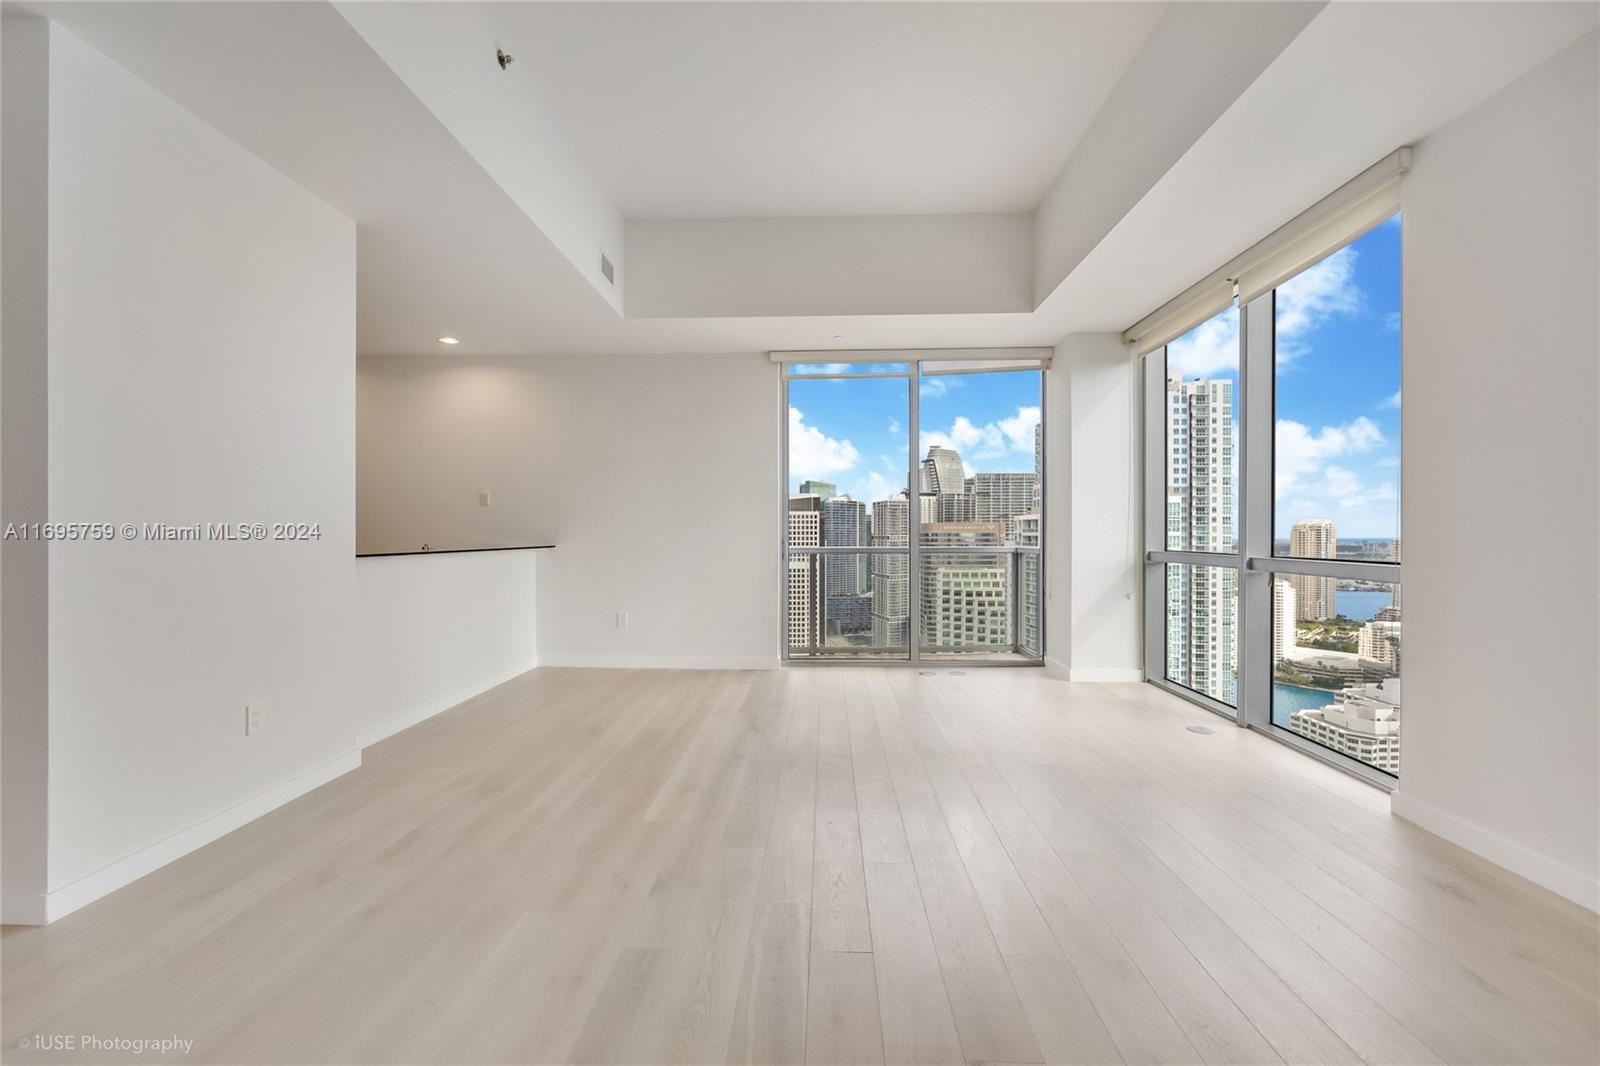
(924, 355)
(1354, 208)
(1180, 315)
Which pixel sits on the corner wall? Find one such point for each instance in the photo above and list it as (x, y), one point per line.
(1499, 460)
(24, 478)
(201, 330)
(1093, 624)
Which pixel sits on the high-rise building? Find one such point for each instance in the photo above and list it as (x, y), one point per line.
(956, 507)
(822, 490)
(805, 531)
(891, 584)
(999, 497)
(967, 604)
(1379, 642)
(844, 525)
(1038, 467)
(964, 598)
(1284, 640)
(1202, 601)
(1025, 531)
(942, 472)
(1316, 598)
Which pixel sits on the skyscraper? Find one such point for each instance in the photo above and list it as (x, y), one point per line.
(964, 600)
(1284, 640)
(1038, 467)
(1379, 642)
(805, 531)
(822, 490)
(1000, 497)
(942, 472)
(1316, 598)
(844, 525)
(891, 586)
(1201, 600)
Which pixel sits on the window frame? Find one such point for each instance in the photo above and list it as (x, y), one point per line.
(964, 361)
(1253, 559)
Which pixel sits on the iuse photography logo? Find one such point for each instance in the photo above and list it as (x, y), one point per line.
(121, 1045)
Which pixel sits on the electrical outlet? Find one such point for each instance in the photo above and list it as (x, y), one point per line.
(622, 619)
(483, 498)
(255, 719)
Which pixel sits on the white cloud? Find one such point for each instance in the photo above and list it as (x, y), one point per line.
(992, 440)
(873, 487)
(894, 427)
(1313, 296)
(1209, 348)
(1392, 401)
(1304, 302)
(814, 454)
(1301, 456)
(1311, 483)
(935, 387)
(1019, 428)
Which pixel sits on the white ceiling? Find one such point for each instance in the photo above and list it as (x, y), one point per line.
(448, 242)
(783, 109)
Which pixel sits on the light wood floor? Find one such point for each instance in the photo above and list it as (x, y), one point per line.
(824, 865)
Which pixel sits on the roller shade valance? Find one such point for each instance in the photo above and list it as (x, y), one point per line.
(1180, 315)
(922, 355)
(1356, 207)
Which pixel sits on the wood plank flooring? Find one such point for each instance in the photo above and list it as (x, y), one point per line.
(829, 865)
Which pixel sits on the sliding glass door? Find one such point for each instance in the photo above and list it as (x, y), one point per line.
(1273, 509)
(914, 510)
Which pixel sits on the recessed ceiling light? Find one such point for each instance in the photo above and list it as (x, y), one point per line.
(448, 340)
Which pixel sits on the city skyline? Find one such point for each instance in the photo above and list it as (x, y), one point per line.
(967, 601)
(1337, 394)
(852, 433)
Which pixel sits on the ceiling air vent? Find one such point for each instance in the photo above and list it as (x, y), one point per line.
(607, 269)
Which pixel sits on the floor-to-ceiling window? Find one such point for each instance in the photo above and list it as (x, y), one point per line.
(1273, 590)
(914, 509)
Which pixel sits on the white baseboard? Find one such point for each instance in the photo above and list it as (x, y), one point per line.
(1502, 851)
(423, 711)
(1105, 673)
(1057, 668)
(657, 662)
(32, 909)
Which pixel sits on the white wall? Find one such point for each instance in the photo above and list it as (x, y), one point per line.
(867, 265)
(201, 325)
(195, 361)
(1502, 717)
(24, 482)
(1093, 625)
(656, 478)
(431, 631)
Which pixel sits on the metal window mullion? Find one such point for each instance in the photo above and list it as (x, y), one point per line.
(914, 517)
(1194, 558)
(783, 518)
(1334, 568)
(1155, 520)
(1257, 368)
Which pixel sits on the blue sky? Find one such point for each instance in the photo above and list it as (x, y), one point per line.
(852, 432)
(1338, 386)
